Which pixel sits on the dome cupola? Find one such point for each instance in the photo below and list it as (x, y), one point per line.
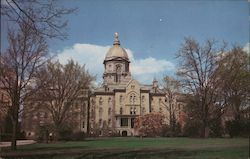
(116, 51)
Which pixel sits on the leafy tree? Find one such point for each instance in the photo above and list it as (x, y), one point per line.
(150, 124)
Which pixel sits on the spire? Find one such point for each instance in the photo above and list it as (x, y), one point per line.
(116, 41)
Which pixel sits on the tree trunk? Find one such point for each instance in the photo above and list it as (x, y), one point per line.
(205, 129)
(13, 139)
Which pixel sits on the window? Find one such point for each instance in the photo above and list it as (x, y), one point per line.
(142, 99)
(92, 113)
(100, 122)
(124, 121)
(110, 101)
(100, 101)
(83, 124)
(121, 99)
(118, 68)
(132, 110)
(121, 110)
(132, 98)
(143, 110)
(109, 111)
(132, 122)
(160, 110)
(100, 111)
(166, 99)
(109, 122)
(160, 102)
(118, 73)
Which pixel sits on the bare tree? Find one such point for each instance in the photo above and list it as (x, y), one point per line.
(25, 55)
(61, 85)
(30, 23)
(197, 73)
(45, 17)
(234, 73)
(172, 89)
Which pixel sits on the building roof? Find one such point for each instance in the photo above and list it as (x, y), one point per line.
(116, 50)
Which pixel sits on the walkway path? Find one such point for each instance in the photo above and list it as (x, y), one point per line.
(19, 142)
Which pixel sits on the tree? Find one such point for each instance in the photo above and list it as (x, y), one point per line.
(30, 24)
(60, 86)
(197, 74)
(150, 124)
(25, 55)
(172, 89)
(234, 89)
(45, 17)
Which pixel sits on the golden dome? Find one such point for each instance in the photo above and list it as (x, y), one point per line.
(116, 50)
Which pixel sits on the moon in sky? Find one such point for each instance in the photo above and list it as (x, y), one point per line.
(161, 20)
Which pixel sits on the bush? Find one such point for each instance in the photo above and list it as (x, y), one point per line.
(5, 137)
(63, 133)
(168, 132)
(238, 128)
(192, 128)
(78, 136)
(215, 128)
(8, 136)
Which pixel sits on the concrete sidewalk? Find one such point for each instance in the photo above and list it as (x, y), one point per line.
(19, 142)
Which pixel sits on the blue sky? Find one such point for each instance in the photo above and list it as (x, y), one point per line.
(152, 31)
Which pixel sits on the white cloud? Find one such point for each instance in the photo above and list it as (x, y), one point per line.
(247, 48)
(92, 56)
(151, 65)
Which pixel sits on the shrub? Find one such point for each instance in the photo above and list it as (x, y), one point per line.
(167, 131)
(238, 128)
(78, 136)
(192, 128)
(215, 128)
(64, 133)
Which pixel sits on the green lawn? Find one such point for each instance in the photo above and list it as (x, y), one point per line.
(160, 148)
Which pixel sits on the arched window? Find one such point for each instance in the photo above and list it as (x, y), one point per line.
(160, 110)
(118, 73)
(100, 101)
(109, 122)
(100, 122)
(118, 68)
(100, 111)
(121, 110)
(132, 98)
(121, 99)
(110, 101)
(143, 99)
(143, 111)
(133, 110)
(109, 111)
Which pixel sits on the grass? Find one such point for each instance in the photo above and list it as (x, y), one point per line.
(147, 148)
